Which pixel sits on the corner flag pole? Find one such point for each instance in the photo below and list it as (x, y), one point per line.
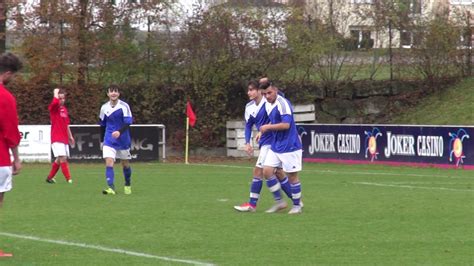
(187, 141)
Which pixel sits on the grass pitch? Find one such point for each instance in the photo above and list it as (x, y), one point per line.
(183, 214)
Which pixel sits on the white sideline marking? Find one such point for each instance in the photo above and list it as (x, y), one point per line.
(412, 187)
(101, 248)
(338, 172)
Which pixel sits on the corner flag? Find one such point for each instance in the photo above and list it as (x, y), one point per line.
(190, 114)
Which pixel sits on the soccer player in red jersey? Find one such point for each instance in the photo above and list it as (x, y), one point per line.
(61, 135)
(9, 134)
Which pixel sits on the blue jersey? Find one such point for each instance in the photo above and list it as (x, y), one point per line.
(113, 119)
(288, 140)
(256, 115)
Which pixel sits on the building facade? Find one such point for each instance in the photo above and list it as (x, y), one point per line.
(357, 19)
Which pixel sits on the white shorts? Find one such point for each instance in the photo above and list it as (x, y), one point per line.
(262, 155)
(5, 178)
(109, 152)
(290, 161)
(60, 149)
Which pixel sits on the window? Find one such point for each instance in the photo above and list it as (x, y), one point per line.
(362, 38)
(408, 39)
(413, 5)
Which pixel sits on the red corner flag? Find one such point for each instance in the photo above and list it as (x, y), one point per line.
(190, 113)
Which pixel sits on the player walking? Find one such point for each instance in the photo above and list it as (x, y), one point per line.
(286, 148)
(61, 135)
(115, 120)
(255, 114)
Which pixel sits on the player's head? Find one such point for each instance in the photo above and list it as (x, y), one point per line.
(113, 92)
(253, 90)
(269, 91)
(263, 80)
(9, 65)
(62, 96)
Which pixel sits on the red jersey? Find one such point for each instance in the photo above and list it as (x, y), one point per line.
(59, 122)
(9, 133)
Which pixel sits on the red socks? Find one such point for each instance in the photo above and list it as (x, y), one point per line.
(54, 170)
(65, 170)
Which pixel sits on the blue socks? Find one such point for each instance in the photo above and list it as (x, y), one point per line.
(296, 193)
(255, 190)
(274, 187)
(286, 187)
(109, 175)
(127, 173)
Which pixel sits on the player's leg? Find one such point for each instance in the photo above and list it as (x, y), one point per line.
(55, 165)
(271, 163)
(65, 168)
(109, 153)
(285, 183)
(5, 182)
(255, 189)
(283, 179)
(257, 182)
(292, 165)
(125, 157)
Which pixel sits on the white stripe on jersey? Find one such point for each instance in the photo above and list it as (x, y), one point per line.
(126, 108)
(283, 106)
(107, 109)
(252, 109)
(281, 103)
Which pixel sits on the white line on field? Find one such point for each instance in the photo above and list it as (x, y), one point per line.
(412, 187)
(101, 248)
(339, 172)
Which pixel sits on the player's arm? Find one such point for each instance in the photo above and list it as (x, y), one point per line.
(102, 123)
(127, 121)
(71, 137)
(54, 105)
(11, 134)
(116, 134)
(248, 133)
(275, 127)
(16, 160)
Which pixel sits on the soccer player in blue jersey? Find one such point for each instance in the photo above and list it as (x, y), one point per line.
(255, 114)
(115, 120)
(286, 149)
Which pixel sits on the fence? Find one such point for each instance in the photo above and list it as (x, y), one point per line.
(235, 132)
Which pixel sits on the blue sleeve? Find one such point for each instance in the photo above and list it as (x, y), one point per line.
(248, 129)
(127, 120)
(102, 122)
(286, 119)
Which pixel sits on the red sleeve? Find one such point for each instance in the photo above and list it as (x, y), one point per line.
(54, 105)
(9, 123)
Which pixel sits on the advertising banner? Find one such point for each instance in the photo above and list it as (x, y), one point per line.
(441, 146)
(145, 142)
(35, 144)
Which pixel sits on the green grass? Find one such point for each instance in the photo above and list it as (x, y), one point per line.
(453, 106)
(355, 215)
